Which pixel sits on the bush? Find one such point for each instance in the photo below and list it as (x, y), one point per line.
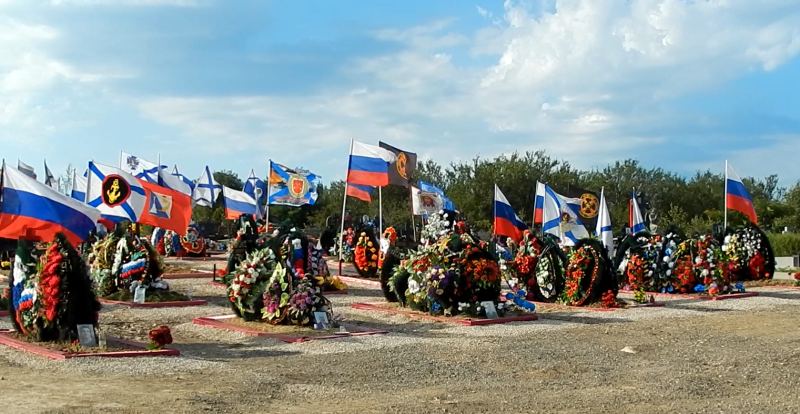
(785, 244)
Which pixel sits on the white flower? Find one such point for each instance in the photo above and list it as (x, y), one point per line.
(704, 273)
(669, 272)
(413, 286)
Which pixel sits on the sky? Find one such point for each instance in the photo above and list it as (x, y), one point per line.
(678, 84)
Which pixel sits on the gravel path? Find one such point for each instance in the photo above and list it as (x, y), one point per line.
(691, 356)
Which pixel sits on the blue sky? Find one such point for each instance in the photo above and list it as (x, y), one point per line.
(681, 85)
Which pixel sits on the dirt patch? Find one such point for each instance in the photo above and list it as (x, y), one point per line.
(770, 282)
(153, 296)
(69, 347)
(292, 330)
(397, 307)
(173, 268)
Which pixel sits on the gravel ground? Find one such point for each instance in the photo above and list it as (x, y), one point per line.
(691, 356)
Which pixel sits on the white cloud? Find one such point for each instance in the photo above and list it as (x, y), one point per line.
(581, 76)
(31, 103)
(573, 73)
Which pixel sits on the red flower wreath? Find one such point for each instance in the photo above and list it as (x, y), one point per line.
(49, 282)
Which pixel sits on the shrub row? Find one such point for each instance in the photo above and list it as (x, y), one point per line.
(785, 244)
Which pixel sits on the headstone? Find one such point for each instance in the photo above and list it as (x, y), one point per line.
(86, 336)
(321, 319)
(491, 311)
(138, 295)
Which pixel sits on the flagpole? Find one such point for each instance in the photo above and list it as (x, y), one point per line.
(630, 209)
(380, 213)
(725, 214)
(266, 184)
(88, 184)
(494, 211)
(2, 180)
(344, 205)
(120, 160)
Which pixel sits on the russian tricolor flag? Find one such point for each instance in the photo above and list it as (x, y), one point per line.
(736, 195)
(361, 192)
(237, 203)
(33, 211)
(506, 222)
(538, 211)
(369, 165)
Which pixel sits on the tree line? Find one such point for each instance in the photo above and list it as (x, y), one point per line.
(694, 203)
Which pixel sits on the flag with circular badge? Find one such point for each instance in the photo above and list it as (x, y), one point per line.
(117, 194)
(590, 205)
(291, 186)
(400, 171)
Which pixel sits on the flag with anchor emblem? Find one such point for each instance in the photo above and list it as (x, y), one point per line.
(117, 194)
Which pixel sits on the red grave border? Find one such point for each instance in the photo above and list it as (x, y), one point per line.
(219, 323)
(728, 296)
(7, 340)
(180, 304)
(595, 309)
(4, 313)
(374, 306)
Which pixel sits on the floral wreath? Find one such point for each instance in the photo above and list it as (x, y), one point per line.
(248, 282)
(641, 271)
(750, 254)
(366, 255)
(193, 242)
(681, 268)
(710, 266)
(387, 240)
(45, 295)
(583, 271)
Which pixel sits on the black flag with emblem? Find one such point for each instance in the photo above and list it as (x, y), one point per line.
(590, 206)
(400, 171)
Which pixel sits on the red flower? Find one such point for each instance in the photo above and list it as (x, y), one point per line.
(160, 337)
